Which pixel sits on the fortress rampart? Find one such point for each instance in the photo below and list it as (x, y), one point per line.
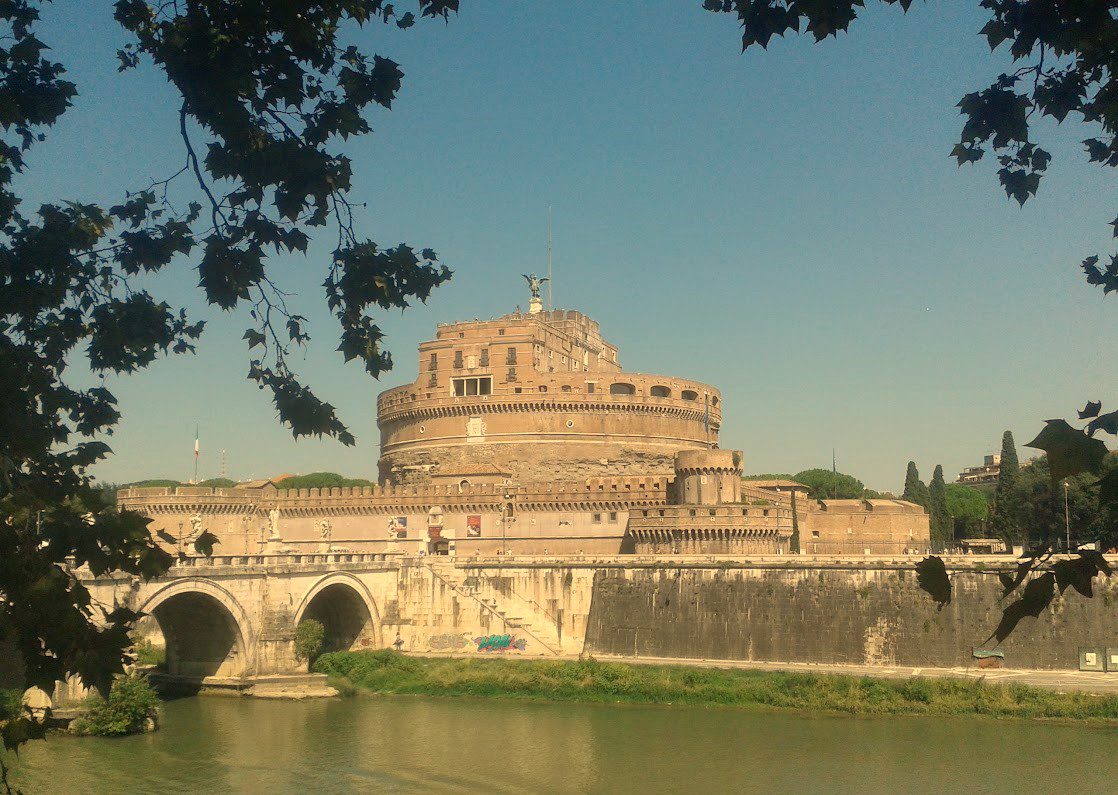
(524, 435)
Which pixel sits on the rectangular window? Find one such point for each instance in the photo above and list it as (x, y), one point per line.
(613, 516)
(484, 357)
(590, 386)
(434, 363)
(458, 360)
(512, 375)
(468, 387)
(596, 518)
(510, 356)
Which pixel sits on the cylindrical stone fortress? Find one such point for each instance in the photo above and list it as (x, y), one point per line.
(537, 396)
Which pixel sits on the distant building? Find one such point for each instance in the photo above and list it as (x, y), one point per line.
(979, 475)
(780, 485)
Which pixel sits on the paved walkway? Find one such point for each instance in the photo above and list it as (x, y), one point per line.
(1063, 681)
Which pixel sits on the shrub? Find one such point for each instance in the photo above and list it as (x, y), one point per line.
(11, 704)
(918, 690)
(147, 653)
(131, 704)
(309, 637)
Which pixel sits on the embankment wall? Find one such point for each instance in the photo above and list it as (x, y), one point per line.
(869, 613)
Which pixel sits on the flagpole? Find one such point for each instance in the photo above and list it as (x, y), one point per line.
(550, 281)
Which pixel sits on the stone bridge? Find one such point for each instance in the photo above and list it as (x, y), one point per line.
(235, 616)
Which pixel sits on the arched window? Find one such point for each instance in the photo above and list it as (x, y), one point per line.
(714, 401)
(566, 388)
(622, 389)
(660, 391)
(690, 394)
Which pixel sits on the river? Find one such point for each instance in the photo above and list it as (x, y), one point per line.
(420, 745)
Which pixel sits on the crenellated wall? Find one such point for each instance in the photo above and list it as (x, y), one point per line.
(598, 515)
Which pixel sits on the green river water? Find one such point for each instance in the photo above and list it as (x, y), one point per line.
(419, 744)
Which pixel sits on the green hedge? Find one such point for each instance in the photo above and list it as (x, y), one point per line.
(387, 671)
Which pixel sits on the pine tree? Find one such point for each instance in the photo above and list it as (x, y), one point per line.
(1002, 521)
(937, 507)
(914, 488)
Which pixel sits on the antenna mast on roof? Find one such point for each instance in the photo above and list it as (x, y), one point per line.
(550, 281)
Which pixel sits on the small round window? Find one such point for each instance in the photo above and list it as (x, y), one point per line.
(570, 423)
(422, 429)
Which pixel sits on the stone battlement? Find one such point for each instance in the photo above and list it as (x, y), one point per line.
(638, 489)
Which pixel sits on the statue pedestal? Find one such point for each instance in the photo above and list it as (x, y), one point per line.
(535, 306)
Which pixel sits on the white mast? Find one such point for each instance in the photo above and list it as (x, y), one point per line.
(549, 279)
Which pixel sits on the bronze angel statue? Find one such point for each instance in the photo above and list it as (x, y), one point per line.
(534, 283)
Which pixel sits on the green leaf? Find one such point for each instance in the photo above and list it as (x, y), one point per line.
(1108, 488)
(18, 731)
(931, 576)
(1010, 584)
(1069, 450)
(1092, 409)
(204, 543)
(1107, 422)
(254, 337)
(1038, 594)
(1077, 572)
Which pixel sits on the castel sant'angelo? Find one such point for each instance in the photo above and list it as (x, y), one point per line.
(523, 435)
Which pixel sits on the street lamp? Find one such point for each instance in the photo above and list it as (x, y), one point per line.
(1067, 517)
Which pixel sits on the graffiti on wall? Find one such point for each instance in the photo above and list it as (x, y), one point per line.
(448, 642)
(500, 643)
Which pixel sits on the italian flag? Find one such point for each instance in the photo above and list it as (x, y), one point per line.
(196, 443)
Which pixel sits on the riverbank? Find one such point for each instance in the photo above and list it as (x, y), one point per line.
(594, 681)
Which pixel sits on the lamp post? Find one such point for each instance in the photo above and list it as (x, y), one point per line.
(1067, 517)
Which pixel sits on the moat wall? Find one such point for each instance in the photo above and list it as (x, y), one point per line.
(867, 615)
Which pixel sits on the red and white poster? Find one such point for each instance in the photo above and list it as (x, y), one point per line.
(473, 526)
(398, 527)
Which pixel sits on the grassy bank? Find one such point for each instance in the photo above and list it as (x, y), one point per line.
(390, 672)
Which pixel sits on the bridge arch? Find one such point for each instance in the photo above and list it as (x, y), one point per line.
(344, 606)
(346, 609)
(205, 629)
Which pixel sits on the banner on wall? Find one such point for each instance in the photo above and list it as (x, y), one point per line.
(473, 526)
(398, 527)
(435, 532)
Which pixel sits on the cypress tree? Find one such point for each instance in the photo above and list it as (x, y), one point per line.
(937, 507)
(794, 543)
(914, 488)
(1003, 510)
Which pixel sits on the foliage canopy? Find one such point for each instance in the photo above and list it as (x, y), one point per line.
(267, 94)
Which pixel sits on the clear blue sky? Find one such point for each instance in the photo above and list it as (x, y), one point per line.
(785, 224)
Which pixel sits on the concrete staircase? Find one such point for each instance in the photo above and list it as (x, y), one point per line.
(519, 616)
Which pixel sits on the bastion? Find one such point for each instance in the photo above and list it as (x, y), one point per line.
(523, 435)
